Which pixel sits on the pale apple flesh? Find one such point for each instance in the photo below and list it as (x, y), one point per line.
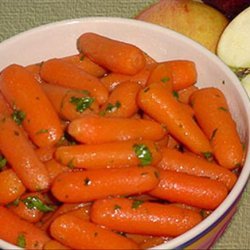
(234, 47)
(196, 20)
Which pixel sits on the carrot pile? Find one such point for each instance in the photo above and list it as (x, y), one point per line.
(110, 149)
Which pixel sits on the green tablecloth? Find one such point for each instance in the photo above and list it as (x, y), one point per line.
(21, 15)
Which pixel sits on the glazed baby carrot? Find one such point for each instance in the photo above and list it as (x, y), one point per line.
(11, 186)
(53, 244)
(84, 63)
(117, 56)
(122, 101)
(87, 129)
(59, 72)
(111, 155)
(30, 207)
(70, 103)
(111, 80)
(79, 234)
(46, 153)
(31, 106)
(183, 72)
(21, 156)
(213, 115)
(20, 232)
(191, 190)
(158, 102)
(90, 185)
(193, 165)
(62, 209)
(184, 94)
(148, 218)
(55, 168)
(161, 73)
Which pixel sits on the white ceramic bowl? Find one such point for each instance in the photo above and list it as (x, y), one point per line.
(59, 39)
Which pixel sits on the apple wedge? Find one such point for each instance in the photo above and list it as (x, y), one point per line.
(194, 19)
(234, 47)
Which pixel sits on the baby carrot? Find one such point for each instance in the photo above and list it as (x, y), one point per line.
(109, 155)
(84, 63)
(122, 101)
(90, 185)
(55, 168)
(117, 56)
(191, 190)
(112, 80)
(53, 244)
(21, 156)
(20, 232)
(158, 102)
(59, 72)
(79, 234)
(30, 207)
(183, 72)
(28, 100)
(70, 103)
(63, 209)
(161, 73)
(87, 129)
(213, 115)
(148, 218)
(11, 186)
(186, 163)
(45, 154)
(184, 94)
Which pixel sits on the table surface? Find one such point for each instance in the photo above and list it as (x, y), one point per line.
(20, 15)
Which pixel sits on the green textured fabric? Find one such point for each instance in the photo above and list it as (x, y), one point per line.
(20, 15)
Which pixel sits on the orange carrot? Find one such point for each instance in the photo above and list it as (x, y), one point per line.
(81, 212)
(70, 103)
(30, 207)
(109, 155)
(160, 104)
(90, 185)
(147, 241)
(161, 73)
(214, 117)
(59, 72)
(112, 80)
(122, 101)
(55, 168)
(184, 94)
(11, 186)
(46, 153)
(53, 244)
(24, 94)
(63, 209)
(79, 234)
(87, 129)
(21, 156)
(191, 190)
(148, 218)
(189, 164)
(34, 68)
(84, 63)
(20, 232)
(183, 72)
(117, 56)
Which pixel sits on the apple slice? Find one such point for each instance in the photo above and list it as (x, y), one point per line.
(194, 19)
(234, 44)
(234, 47)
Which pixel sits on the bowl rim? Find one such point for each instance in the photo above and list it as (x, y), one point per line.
(239, 187)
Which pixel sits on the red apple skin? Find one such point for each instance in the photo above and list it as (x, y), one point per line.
(196, 20)
(230, 8)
